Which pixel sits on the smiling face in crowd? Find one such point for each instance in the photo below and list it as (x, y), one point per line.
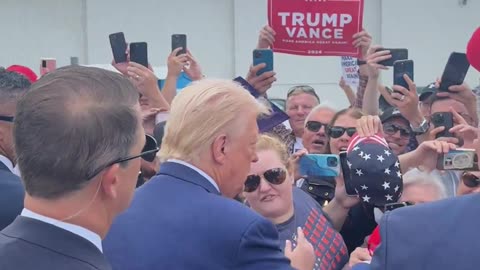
(298, 107)
(270, 200)
(345, 121)
(397, 134)
(316, 141)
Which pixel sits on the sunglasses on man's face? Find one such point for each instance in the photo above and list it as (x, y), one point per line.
(337, 132)
(148, 153)
(470, 180)
(5, 118)
(273, 176)
(314, 126)
(392, 129)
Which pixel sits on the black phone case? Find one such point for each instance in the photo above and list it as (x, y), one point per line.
(455, 71)
(346, 175)
(444, 119)
(400, 68)
(178, 41)
(138, 53)
(119, 46)
(397, 55)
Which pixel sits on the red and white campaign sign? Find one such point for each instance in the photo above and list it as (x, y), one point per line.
(315, 27)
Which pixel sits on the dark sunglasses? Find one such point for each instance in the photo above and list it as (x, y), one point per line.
(273, 176)
(392, 129)
(337, 132)
(148, 153)
(470, 180)
(314, 126)
(6, 118)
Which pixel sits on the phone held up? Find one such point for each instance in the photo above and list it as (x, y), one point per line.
(119, 47)
(179, 41)
(397, 55)
(443, 119)
(455, 71)
(47, 65)
(346, 174)
(400, 68)
(458, 159)
(319, 165)
(263, 56)
(138, 53)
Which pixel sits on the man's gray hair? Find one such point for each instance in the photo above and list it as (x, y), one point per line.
(319, 107)
(12, 87)
(72, 122)
(422, 178)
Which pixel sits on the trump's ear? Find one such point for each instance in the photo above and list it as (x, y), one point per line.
(219, 149)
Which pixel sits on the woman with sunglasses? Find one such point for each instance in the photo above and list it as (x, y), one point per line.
(269, 190)
(470, 183)
(341, 129)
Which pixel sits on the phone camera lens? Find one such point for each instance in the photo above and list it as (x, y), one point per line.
(332, 162)
(258, 54)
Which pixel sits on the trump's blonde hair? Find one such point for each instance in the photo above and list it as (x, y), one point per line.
(201, 112)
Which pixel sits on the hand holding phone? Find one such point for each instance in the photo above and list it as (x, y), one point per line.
(397, 55)
(119, 47)
(443, 119)
(350, 190)
(47, 65)
(401, 68)
(455, 71)
(319, 165)
(264, 56)
(179, 41)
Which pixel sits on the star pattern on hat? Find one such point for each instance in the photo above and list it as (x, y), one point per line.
(397, 164)
(386, 185)
(364, 187)
(387, 153)
(361, 154)
(389, 197)
(355, 148)
(396, 188)
(387, 171)
(366, 157)
(399, 174)
(380, 158)
(349, 164)
(359, 172)
(366, 198)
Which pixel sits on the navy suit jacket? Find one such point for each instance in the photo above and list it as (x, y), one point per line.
(178, 220)
(29, 244)
(11, 196)
(440, 235)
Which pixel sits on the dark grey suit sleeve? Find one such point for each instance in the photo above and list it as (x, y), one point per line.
(259, 248)
(379, 260)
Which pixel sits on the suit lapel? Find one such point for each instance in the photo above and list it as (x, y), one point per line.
(4, 167)
(57, 239)
(187, 174)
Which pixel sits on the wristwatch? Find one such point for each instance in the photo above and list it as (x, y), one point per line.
(422, 129)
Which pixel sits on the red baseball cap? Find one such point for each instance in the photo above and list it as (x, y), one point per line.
(25, 71)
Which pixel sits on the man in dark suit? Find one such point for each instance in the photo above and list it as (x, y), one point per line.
(185, 217)
(12, 87)
(78, 139)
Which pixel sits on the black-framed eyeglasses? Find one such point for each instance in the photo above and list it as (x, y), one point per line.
(274, 176)
(337, 132)
(314, 126)
(470, 180)
(7, 118)
(148, 153)
(392, 129)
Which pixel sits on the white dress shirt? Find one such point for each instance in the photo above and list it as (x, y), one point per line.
(80, 231)
(7, 162)
(202, 173)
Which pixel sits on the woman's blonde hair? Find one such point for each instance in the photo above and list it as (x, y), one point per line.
(201, 112)
(271, 142)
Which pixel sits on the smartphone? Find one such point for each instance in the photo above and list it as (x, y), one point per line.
(314, 165)
(400, 68)
(179, 40)
(455, 71)
(119, 47)
(397, 55)
(443, 119)
(47, 65)
(263, 56)
(458, 159)
(393, 206)
(347, 179)
(138, 53)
